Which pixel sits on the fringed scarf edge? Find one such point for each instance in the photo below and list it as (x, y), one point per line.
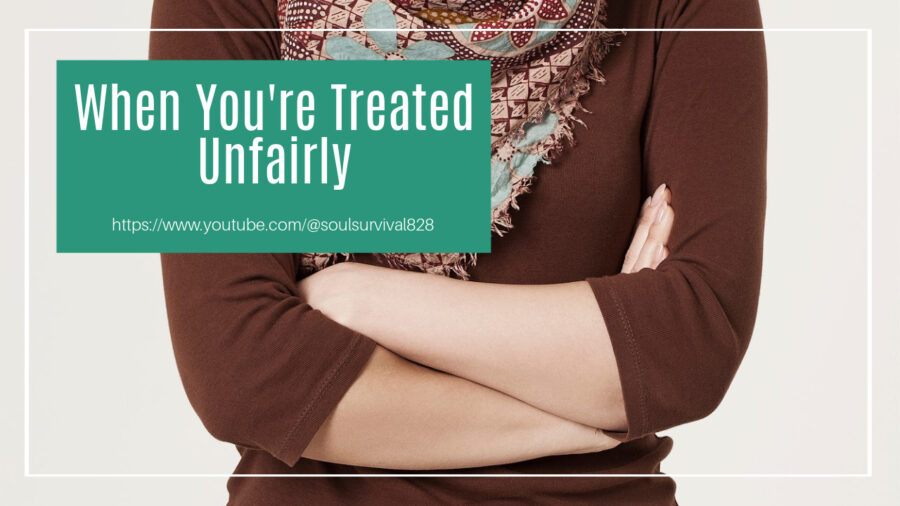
(576, 84)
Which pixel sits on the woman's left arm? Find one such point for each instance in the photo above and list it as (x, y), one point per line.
(546, 345)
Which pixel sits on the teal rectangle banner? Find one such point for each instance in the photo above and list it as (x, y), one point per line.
(273, 156)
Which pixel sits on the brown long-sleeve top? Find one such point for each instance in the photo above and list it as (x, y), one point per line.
(263, 369)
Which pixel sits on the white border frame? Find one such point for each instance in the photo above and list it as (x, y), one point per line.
(27, 273)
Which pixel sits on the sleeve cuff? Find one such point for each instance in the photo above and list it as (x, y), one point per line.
(329, 391)
(626, 350)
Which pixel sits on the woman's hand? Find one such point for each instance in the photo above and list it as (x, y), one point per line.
(332, 289)
(651, 235)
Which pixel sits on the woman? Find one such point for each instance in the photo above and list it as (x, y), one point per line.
(575, 340)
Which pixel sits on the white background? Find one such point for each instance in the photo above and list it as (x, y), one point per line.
(105, 396)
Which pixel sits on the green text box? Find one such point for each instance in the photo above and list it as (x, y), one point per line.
(141, 191)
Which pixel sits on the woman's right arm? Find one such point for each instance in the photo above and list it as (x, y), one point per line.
(400, 415)
(264, 370)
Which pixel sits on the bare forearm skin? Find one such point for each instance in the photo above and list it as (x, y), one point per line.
(400, 415)
(546, 345)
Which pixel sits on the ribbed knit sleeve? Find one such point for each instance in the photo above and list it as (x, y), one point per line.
(261, 368)
(180, 43)
(680, 332)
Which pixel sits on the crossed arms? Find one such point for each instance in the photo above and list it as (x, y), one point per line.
(459, 383)
(473, 374)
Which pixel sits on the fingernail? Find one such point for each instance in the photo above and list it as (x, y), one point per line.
(659, 253)
(661, 213)
(647, 202)
(658, 194)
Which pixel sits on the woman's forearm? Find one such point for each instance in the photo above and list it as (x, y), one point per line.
(399, 415)
(544, 344)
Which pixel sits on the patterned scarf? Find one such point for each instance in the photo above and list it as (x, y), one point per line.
(538, 74)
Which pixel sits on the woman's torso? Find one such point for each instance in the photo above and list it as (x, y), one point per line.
(576, 223)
